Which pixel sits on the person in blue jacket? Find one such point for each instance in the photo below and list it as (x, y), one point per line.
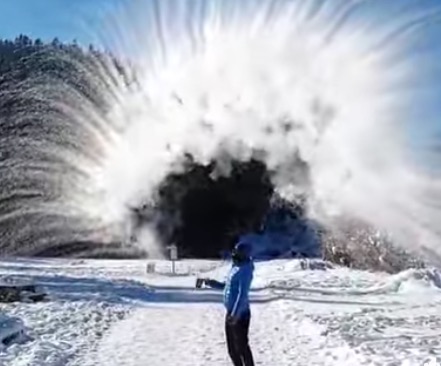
(237, 304)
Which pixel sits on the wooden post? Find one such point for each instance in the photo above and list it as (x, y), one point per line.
(173, 257)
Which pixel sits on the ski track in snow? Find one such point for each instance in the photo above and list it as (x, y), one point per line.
(105, 313)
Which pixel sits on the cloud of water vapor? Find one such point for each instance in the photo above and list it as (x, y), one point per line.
(324, 80)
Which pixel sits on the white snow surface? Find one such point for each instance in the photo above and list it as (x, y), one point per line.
(114, 313)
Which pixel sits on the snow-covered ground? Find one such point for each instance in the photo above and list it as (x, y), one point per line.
(114, 313)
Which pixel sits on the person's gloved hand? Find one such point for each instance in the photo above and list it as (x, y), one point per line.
(201, 282)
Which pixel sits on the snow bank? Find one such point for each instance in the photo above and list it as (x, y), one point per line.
(11, 329)
(60, 331)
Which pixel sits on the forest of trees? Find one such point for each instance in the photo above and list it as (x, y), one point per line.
(13, 53)
(46, 91)
(28, 60)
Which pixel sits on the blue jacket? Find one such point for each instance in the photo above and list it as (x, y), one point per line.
(237, 289)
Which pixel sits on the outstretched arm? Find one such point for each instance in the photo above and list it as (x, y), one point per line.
(214, 284)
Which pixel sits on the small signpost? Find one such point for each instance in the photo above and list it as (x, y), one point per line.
(151, 267)
(173, 256)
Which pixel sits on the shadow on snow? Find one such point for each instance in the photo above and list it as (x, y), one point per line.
(66, 288)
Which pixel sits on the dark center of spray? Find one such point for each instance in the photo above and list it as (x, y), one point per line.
(204, 213)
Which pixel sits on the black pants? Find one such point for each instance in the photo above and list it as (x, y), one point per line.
(237, 341)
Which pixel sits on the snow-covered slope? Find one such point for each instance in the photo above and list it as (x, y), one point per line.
(104, 313)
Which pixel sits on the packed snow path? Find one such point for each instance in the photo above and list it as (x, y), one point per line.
(106, 313)
(193, 336)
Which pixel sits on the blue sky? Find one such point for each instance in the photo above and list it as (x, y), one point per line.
(46, 19)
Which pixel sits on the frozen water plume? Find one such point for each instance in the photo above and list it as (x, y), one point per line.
(222, 108)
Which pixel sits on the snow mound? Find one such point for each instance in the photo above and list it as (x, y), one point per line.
(60, 331)
(12, 329)
(294, 276)
(416, 280)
